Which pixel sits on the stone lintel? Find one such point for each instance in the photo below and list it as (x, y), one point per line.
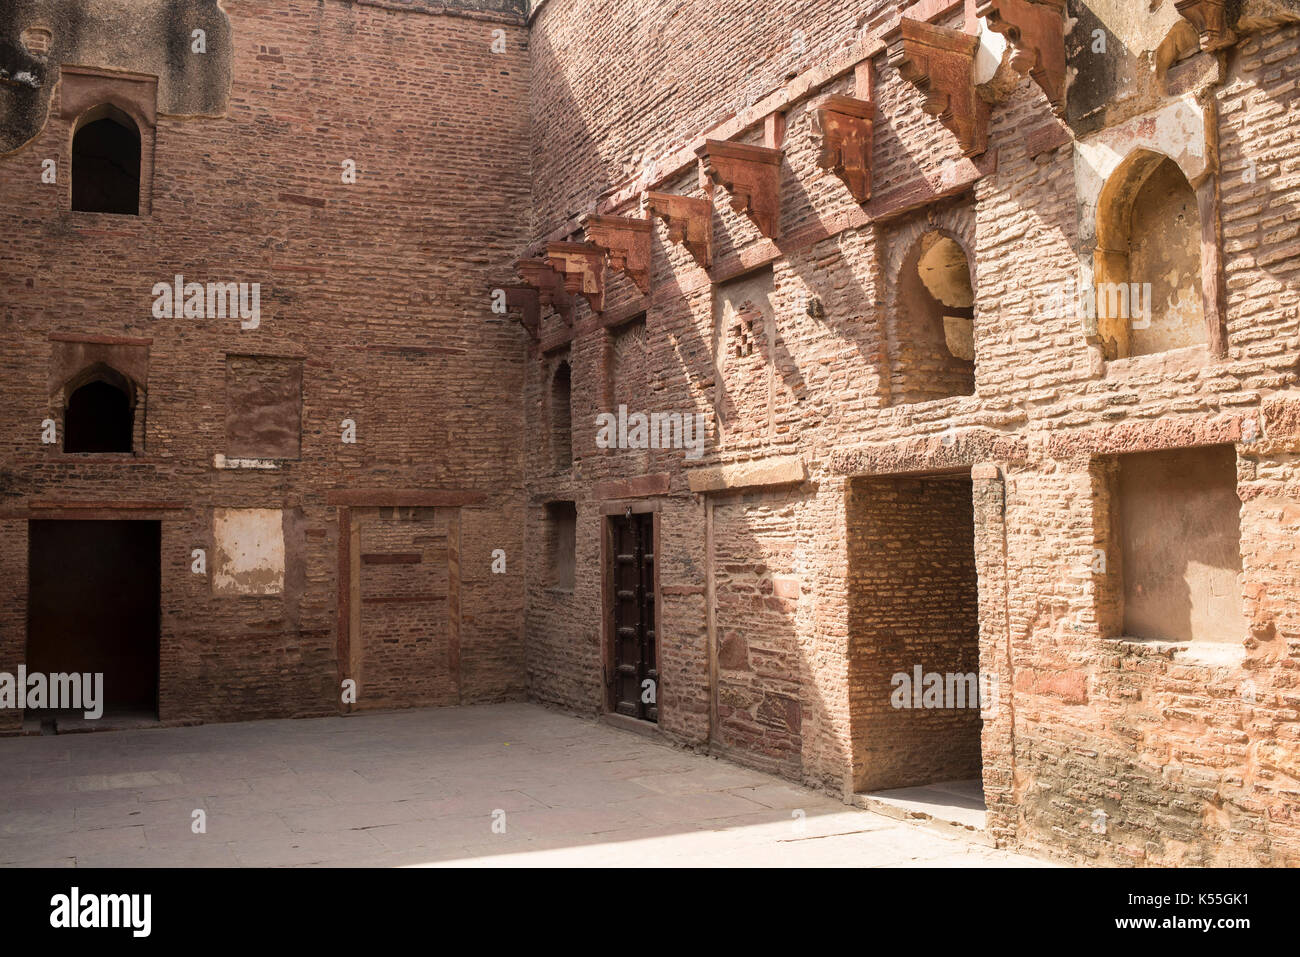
(788, 470)
(404, 498)
(639, 486)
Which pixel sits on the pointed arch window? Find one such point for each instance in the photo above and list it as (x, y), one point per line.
(106, 162)
(100, 412)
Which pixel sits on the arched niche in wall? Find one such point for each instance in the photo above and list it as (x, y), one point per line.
(1160, 167)
(1147, 262)
(931, 315)
(112, 121)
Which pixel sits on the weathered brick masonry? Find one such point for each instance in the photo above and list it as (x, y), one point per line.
(853, 237)
(792, 582)
(376, 291)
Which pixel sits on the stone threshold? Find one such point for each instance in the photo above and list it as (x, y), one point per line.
(622, 722)
(955, 808)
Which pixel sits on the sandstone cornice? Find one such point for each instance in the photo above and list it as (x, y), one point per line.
(626, 243)
(549, 284)
(846, 127)
(1211, 20)
(526, 301)
(689, 221)
(940, 63)
(1036, 31)
(583, 267)
(751, 175)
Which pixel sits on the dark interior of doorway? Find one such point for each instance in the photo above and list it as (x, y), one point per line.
(93, 606)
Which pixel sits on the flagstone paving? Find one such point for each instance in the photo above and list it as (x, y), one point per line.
(490, 785)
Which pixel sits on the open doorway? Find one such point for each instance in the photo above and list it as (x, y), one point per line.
(93, 607)
(916, 683)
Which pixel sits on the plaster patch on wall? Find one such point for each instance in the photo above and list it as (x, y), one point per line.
(249, 551)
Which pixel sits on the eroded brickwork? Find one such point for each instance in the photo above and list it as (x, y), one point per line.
(787, 306)
(1100, 747)
(377, 290)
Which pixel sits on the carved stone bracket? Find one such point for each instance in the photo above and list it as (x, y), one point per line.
(526, 301)
(626, 242)
(1035, 30)
(583, 267)
(549, 284)
(1212, 22)
(752, 175)
(846, 127)
(940, 63)
(689, 221)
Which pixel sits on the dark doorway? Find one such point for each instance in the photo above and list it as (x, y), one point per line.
(98, 419)
(93, 606)
(106, 165)
(635, 674)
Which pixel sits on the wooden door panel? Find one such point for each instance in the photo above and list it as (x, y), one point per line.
(632, 625)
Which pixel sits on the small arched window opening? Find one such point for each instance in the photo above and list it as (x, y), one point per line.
(935, 312)
(100, 414)
(561, 418)
(106, 163)
(1148, 260)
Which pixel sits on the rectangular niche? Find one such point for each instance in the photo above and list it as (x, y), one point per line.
(744, 327)
(263, 407)
(1176, 518)
(561, 544)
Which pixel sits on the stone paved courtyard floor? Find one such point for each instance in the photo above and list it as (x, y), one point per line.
(427, 787)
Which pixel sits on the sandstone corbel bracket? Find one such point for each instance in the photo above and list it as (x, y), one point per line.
(626, 242)
(752, 175)
(526, 301)
(1035, 30)
(846, 125)
(549, 284)
(689, 221)
(940, 63)
(583, 267)
(1211, 20)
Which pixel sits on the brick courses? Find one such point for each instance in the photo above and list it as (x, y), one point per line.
(379, 290)
(1186, 766)
(468, 160)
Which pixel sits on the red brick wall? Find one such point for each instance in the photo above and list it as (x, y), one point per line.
(912, 602)
(381, 288)
(1087, 713)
